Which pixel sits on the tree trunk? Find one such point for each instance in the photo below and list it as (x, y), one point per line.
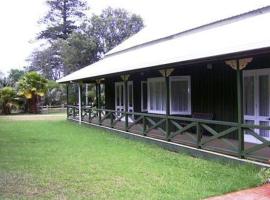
(5, 108)
(32, 104)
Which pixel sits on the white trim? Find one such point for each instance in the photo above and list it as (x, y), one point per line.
(181, 78)
(121, 106)
(80, 103)
(153, 80)
(249, 73)
(132, 96)
(86, 94)
(142, 106)
(172, 78)
(256, 117)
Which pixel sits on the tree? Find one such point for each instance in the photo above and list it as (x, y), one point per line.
(48, 62)
(55, 94)
(14, 76)
(7, 95)
(64, 56)
(3, 80)
(61, 18)
(78, 51)
(96, 36)
(112, 27)
(32, 86)
(87, 44)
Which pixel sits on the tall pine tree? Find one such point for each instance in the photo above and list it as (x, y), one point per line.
(61, 17)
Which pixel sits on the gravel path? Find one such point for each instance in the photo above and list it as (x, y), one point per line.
(31, 117)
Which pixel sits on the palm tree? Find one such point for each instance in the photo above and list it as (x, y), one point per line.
(32, 86)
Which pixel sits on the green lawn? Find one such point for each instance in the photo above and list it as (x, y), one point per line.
(62, 160)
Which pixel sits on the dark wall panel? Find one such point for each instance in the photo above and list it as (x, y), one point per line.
(213, 87)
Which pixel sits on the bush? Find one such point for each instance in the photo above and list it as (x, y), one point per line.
(264, 175)
(7, 99)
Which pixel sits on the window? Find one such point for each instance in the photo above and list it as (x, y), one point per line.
(144, 96)
(156, 95)
(180, 95)
(256, 98)
(130, 94)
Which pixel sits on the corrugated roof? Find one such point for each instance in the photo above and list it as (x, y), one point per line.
(150, 33)
(242, 33)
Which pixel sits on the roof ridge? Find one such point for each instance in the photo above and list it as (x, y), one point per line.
(221, 22)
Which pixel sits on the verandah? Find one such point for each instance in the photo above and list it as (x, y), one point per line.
(196, 132)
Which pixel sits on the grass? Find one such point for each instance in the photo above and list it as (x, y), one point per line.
(62, 160)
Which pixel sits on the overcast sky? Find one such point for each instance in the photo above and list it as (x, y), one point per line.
(18, 19)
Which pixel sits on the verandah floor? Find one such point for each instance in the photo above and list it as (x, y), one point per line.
(224, 145)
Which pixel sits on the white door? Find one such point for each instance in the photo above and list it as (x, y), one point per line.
(130, 97)
(120, 98)
(256, 84)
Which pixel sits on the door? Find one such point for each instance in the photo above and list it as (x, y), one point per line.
(256, 84)
(120, 98)
(130, 96)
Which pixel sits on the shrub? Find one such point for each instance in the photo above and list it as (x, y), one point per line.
(7, 99)
(264, 175)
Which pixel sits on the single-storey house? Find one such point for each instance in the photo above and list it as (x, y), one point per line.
(207, 87)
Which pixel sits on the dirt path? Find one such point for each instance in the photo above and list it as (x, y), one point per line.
(50, 117)
(258, 193)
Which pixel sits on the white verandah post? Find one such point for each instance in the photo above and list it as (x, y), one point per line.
(80, 102)
(86, 94)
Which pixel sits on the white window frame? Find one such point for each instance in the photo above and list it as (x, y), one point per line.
(151, 80)
(181, 78)
(142, 109)
(256, 118)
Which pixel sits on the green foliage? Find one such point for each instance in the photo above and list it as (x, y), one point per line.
(3, 80)
(32, 86)
(52, 85)
(7, 99)
(112, 27)
(58, 159)
(14, 76)
(47, 61)
(85, 44)
(92, 95)
(56, 93)
(72, 94)
(265, 175)
(77, 51)
(61, 17)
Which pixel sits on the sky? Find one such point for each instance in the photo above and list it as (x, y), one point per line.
(19, 20)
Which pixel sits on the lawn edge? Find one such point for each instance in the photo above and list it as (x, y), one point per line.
(175, 147)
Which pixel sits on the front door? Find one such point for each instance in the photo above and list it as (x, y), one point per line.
(256, 85)
(120, 98)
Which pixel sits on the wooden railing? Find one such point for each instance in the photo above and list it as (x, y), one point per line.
(52, 109)
(200, 133)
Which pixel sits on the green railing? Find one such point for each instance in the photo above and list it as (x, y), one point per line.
(200, 133)
(72, 111)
